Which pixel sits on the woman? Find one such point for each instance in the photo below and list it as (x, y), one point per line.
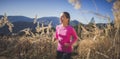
(66, 36)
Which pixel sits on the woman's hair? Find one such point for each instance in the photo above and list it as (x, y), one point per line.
(67, 15)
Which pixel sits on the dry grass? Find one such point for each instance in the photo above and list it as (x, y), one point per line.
(95, 44)
(107, 44)
(27, 47)
(4, 21)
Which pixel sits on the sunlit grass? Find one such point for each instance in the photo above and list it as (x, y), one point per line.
(96, 43)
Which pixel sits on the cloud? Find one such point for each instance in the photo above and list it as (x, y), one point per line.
(95, 13)
(109, 0)
(75, 3)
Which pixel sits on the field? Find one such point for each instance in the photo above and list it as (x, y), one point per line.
(103, 45)
(94, 42)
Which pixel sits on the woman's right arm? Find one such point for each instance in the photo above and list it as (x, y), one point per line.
(55, 36)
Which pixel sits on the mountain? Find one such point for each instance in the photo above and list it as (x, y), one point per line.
(46, 20)
(18, 26)
(22, 22)
(1, 16)
(18, 18)
(74, 22)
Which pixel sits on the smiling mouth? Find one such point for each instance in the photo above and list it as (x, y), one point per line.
(61, 20)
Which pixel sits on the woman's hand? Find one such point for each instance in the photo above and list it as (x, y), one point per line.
(67, 45)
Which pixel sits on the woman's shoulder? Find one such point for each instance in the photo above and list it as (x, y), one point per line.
(58, 26)
(70, 27)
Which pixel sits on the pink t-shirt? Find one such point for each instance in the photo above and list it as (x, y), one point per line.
(65, 35)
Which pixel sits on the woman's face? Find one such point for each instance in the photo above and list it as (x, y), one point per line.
(63, 19)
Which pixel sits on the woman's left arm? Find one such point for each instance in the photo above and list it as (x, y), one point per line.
(74, 35)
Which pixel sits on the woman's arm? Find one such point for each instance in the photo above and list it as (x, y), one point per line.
(55, 36)
(74, 35)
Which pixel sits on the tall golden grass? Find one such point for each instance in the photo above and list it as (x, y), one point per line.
(4, 21)
(107, 44)
(96, 43)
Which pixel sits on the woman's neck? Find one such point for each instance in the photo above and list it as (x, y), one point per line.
(64, 25)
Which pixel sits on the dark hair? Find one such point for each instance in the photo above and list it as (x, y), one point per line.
(67, 15)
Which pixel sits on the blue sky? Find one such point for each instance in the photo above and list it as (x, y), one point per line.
(46, 8)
